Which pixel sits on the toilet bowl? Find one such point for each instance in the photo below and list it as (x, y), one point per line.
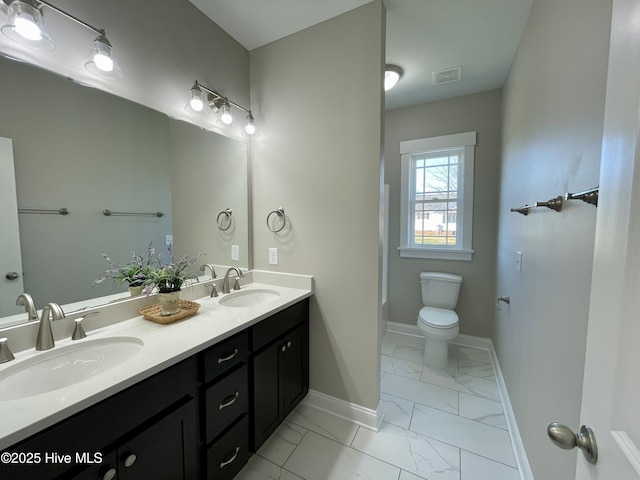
(436, 320)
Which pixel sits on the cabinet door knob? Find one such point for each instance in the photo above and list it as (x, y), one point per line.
(110, 475)
(284, 348)
(224, 464)
(228, 357)
(130, 460)
(288, 344)
(230, 400)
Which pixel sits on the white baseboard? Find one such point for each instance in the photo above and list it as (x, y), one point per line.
(366, 417)
(485, 344)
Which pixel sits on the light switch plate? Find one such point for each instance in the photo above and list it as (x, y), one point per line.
(273, 256)
(235, 252)
(168, 240)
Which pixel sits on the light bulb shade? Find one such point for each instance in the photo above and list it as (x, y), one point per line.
(102, 59)
(225, 114)
(250, 127)
(25, 25)
(196, 102)
(392, 74)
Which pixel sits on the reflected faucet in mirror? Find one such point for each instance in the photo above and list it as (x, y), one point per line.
(213, 270)
(44, 340)
(25, 300)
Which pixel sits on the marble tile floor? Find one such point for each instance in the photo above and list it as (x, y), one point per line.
(438, 425)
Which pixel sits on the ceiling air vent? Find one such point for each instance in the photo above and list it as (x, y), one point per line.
(448, 75)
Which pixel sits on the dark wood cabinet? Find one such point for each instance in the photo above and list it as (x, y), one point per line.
(164, 450)
(280, 370)
(199, 419)
(156, 410)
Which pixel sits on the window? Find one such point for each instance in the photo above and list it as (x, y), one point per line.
(437, 197)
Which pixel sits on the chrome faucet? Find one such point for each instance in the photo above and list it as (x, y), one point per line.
(213, 270)
(44, 340)
(25, 300)
(225, 282)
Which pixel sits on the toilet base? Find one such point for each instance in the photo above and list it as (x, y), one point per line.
(436, 354)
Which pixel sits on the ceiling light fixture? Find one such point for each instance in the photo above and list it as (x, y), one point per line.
(392, 73)
(217, 104)
(25, 25)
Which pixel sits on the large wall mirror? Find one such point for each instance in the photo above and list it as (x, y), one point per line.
(85, 150)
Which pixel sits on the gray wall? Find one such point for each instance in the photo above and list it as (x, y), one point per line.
(66, 155)
(553, 116)
(208, 175)
(318, 156)
(480, 112)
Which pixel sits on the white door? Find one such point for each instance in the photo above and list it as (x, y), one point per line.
(10, 257)
(611, 392)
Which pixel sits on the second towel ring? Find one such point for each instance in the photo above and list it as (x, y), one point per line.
(280, 213)
(225, 214)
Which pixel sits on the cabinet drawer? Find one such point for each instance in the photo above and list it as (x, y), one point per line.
(225, 401)
(271, 328)
(222, 357)
(228, 455)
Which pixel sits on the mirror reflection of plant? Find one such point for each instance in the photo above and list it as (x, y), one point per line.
(134, 274)
(170, 277)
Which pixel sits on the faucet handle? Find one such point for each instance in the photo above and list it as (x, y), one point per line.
(214, 290)
(78, 331)
(6, 355)
(236, 285)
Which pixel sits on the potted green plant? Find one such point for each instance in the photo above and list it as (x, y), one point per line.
(168, 279)
(134, 273)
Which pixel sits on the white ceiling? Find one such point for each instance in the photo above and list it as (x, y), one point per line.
(423, 36)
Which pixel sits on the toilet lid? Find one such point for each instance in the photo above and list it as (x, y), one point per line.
(438, 317)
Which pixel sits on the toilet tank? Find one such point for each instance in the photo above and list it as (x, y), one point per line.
(440, 290)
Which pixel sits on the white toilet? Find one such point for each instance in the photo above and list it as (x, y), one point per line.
(437, 321)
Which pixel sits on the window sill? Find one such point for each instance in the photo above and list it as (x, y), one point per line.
(436, 253)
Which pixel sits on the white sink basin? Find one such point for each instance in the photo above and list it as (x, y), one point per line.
(64, 366)
(249, 298)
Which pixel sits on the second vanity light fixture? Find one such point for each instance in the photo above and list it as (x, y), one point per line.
(25, 25)
(203, 99)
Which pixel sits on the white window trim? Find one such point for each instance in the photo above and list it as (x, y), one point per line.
(465, 225)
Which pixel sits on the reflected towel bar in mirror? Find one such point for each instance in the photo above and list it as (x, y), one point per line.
(109, 213)
(553, 204)
(60, 211)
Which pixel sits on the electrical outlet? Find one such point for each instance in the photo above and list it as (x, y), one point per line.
(235, 253)
(519, 261)
(168, 240)
(273, 256)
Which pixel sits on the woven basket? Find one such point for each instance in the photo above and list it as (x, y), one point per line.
(154, 312)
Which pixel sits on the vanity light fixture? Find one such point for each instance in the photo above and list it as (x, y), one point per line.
(203, 100)
(25, 25)
(392, 73)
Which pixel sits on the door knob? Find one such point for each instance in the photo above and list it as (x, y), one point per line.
(11, 275)
(585, 440)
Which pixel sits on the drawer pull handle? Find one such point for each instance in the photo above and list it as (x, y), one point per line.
(228, 357)
(130, 460)
(224, 464)
(230, 400)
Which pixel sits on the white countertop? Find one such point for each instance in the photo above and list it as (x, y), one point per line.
(164, 345)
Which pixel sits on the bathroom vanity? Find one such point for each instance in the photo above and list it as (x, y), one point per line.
(199, 417)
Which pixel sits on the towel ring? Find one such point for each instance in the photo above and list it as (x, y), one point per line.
(280, 213)
(225, 214)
